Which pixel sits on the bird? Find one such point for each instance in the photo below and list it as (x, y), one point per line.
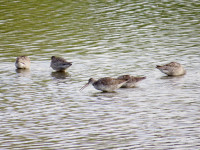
(22, 62)
(106, 84)
(59, 63)
(172, 69)
(131, 80)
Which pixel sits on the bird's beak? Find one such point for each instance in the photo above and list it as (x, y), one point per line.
(84, 86)
(158, 66)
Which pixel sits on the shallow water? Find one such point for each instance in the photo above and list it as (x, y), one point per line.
(43, 109)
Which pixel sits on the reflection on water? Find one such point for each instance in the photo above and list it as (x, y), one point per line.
(172, 77)
(106, 95)
(60, 75)
(23, 72)
(101, 38)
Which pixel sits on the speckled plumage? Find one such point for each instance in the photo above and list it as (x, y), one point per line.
(131, 80)
(106, 84)
(172, 69)
(59, 63)
(22, 62)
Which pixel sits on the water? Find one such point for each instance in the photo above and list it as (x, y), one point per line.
(42, 109)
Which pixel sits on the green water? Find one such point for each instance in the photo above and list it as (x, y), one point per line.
(43, 109)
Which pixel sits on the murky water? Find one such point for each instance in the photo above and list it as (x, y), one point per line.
(42, 109)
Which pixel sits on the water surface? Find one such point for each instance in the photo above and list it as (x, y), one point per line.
(43, 109)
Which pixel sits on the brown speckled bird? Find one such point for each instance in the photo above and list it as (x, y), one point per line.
(131, 80)
(59, 63)
(22, 62)
(172, 69)
(106, 84)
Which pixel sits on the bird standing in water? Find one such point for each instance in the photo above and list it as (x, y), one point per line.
(22, 62)
(172, 69)
(106, 84)
(59, 63)
(131, 80)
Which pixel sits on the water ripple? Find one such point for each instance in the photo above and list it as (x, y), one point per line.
(43, 109)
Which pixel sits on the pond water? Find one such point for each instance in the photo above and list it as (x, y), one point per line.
(43, 109)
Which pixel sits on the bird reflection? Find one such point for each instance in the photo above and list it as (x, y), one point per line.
(171, 77)
(60, 75)
(103, 95)
(23, 72)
